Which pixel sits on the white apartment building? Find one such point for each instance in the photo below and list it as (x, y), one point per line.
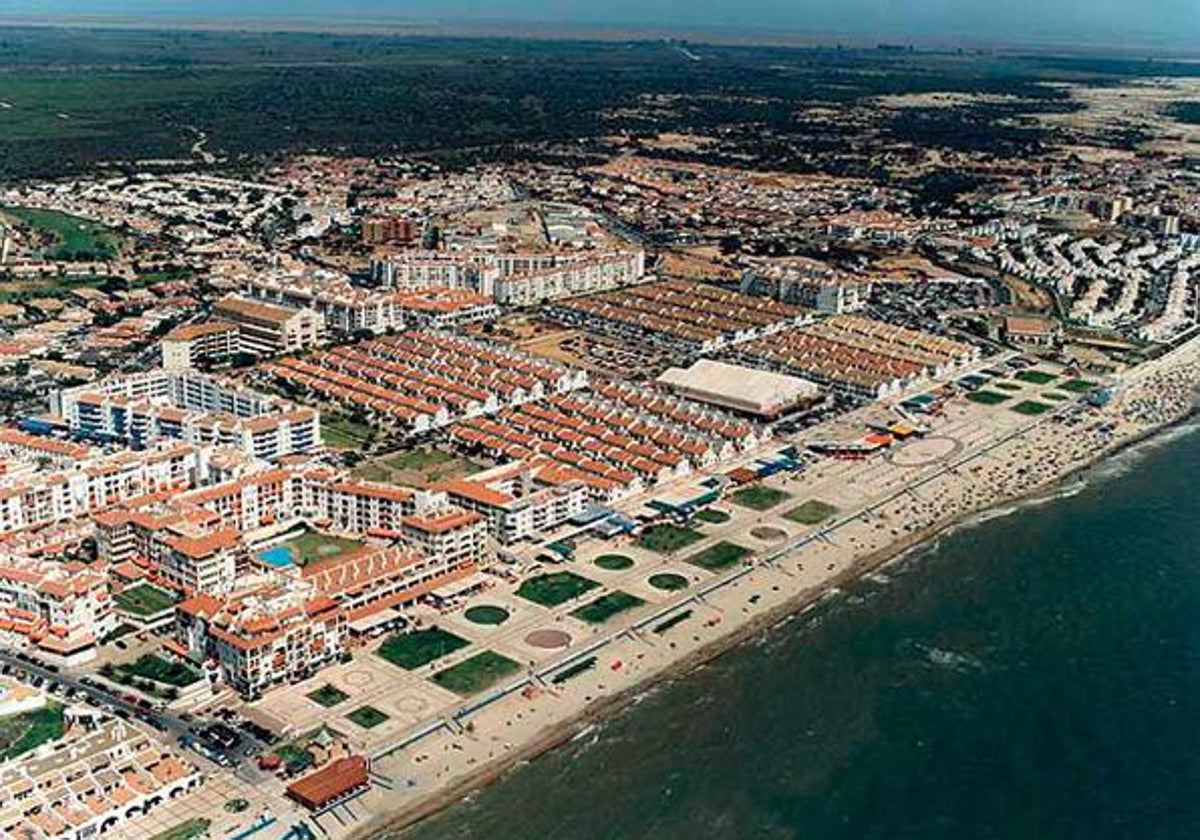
(267, 329)
(145, 408)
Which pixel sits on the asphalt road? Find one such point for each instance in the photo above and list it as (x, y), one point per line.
(168, 726)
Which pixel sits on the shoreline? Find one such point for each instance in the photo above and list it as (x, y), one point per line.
(393, 825)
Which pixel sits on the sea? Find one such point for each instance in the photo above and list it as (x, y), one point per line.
(1033, 675)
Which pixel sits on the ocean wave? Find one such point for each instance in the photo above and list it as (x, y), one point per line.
(1123, 462)
(950, 659)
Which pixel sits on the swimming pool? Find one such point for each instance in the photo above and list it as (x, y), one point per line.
(279, 556)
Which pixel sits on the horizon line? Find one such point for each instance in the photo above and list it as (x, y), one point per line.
(716, 35)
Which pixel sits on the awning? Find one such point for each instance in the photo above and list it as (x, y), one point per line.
(460, 587)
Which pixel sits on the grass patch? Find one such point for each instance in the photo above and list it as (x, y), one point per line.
(189, 830)
(368, 717)
(555, 588)
(144, 600)
(343, 433)
(606, 606)
(371, 471)
(420, 459)
(1036, 377)
(69, 237)
(1031, 408)
(668, 582)
(571, 671)
(713, 517)
(1054, 397)
(614, 562)
(759, 497)
(482, 670)
(679, 618)
(152, 667)
(312, 546)
(429, 465)
(987, 397)
(328, 696)
(1077, 386)
(667, 539)
(812, 512)
(296, 757)
(487, 615)
(414, 650)
(26, 731)
(719, 556)
(1007, 386)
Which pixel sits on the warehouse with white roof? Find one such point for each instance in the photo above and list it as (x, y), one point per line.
(748, 390)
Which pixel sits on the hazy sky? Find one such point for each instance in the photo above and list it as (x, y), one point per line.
(1116, 22)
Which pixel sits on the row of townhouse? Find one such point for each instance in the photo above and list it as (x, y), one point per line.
(422, 380)
(144, 408)
(680, 315)
(34, 451)
(616, 438)
(63, 609)
(860, 357)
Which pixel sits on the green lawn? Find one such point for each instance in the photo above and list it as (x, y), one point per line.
(482, 670)
(1077, 386)
(1054, 397)
(152, 667)
(370, 471)
(413, 650)
(812, 512)
(431, 465)
(296, 757)
(987, 397)
(614, 562)
(606, 606)
(26, 731)
(666, 538)
(368, 717)
(759, 497)
(419, 459)
(713, 517)
(487, 615)
(1031, 408)
(314, 545)
(1037, 377)
(1007, 386)
(555, 588)
(144, 600)
(344, 433)
(189, 830)
(572, 671)
(679, 618)
(73, 238)
(719, 556)
(328, 696)
(668, 581)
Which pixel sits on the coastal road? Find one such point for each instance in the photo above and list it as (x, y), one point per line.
(166, 725)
